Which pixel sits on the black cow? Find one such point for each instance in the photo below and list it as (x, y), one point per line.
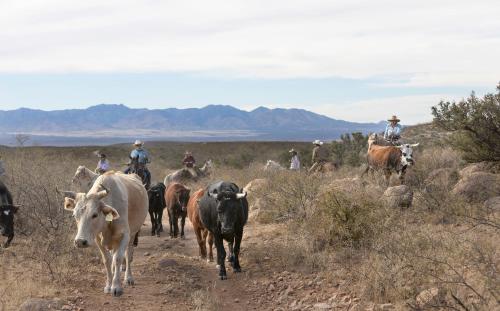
(7, 211)
(157, 203)
(224, 212)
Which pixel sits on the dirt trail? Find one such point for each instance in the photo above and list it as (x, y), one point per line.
(167, 272)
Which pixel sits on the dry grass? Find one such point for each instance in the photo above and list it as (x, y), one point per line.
(345, 233)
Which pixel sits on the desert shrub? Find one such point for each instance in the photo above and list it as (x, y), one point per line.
(349, 149)
(406, 261)
(290, 195)
(345, 219)
(203, 300)
(475, 123)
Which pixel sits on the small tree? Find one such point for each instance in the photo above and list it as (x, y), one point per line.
(22, 139)
(475, 123)
(348, 149)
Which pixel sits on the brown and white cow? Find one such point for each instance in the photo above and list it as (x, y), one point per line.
(112, 211)
(202, 234)
(389, 159)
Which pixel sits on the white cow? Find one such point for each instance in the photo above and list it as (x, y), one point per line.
(84, 178)
(108, 215)
(273, 166)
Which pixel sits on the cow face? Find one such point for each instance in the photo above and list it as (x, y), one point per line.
(156, 197)
(81, 175)
(407, 154)
(91, 215)
(228, 210)
(7, 220)
(184, 198)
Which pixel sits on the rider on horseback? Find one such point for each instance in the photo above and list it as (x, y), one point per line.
(392, 131)
(140, 158)
(319, 156)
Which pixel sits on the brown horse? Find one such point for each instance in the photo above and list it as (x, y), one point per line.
(177, 197)
(201, 232)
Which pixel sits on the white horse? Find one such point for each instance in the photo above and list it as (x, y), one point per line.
(273, 166)
(186, 175)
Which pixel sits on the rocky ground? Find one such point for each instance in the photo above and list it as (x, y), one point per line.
(170, 276)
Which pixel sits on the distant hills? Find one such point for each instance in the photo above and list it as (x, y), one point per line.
(106, 124)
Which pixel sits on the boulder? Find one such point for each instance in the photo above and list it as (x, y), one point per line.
(493, 204)
(38, 304)
(398, 196)
(487, 167)
(255, 190)
(478, 186)
(430, 296)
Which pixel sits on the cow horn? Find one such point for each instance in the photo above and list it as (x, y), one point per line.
(103, 193)
(241, 195)
(67, 194)
(415, 145)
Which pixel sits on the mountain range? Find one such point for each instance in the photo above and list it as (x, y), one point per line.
(105, 124)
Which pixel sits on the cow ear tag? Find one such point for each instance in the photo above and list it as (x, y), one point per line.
(109, 217)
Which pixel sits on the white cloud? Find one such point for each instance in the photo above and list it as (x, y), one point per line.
(435, 43)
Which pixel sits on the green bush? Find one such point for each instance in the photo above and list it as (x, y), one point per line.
(475, 123)
(345, 219)
(349, 149)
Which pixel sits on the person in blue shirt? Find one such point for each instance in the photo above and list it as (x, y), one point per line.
(393, 130)
(140, 155)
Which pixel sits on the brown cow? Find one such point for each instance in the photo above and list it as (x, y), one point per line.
(201, 232)
(177, 197)
(389, 159)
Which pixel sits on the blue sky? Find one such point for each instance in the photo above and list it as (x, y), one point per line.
(353, 60)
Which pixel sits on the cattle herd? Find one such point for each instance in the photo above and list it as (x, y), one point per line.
(110, 210)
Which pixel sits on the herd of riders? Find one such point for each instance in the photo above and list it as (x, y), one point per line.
(139, 157)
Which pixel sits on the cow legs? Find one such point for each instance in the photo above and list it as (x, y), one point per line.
(176, 225)
(9, 239)
(153, 222)
(183, 222)
(236, 252)
(387, 175)
(106, 259)
(129, 254)
(171, 223)
(116, 287)
(210, 246)
(201, 238)
(159, 223)
(230, 256)
(221, 256)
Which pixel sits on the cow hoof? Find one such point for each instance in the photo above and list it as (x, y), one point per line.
(130, 282)
(183, 237)
(117, 292)
(237, 270)
(158, 234)
(107, 290)
(223, 277)
(124, 268)
(152, 234)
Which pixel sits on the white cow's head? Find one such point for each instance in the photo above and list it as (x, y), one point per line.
(91, 214)
(407, 154)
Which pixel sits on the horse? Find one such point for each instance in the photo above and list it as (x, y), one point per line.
(141, 170)
(186, 175)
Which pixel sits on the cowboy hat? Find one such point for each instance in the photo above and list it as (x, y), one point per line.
(138, 143)
(394, 118)
(317, 142)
